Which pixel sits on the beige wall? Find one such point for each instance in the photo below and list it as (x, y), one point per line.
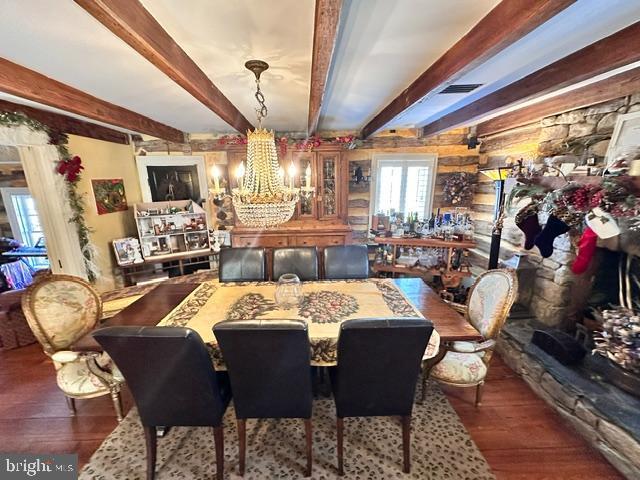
(103, 160)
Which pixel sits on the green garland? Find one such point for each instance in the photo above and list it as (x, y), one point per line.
(76, 199)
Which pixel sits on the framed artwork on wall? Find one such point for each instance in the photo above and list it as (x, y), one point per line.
(168, 178)
(625, 140)
(109, 195)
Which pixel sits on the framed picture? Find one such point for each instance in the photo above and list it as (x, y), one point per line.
(625, 140)
(109, 195)
(127, 251)
(168, 178)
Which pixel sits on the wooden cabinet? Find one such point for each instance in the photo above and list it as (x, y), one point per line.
(319, 220)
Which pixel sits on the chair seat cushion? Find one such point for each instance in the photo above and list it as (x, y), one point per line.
(460, 368)
(75, 379)
(467, 347)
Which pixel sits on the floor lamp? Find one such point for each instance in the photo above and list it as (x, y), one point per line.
(498, 175)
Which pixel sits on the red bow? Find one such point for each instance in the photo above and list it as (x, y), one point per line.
(70, 168)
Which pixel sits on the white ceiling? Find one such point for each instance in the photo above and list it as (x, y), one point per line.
(579, 25)
(383, 46)
(221, 35)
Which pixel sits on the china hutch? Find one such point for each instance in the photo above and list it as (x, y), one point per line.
(319, 220)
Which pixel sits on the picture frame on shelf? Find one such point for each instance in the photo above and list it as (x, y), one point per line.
(127, 251)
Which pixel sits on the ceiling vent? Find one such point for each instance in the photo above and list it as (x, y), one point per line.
(461, 88)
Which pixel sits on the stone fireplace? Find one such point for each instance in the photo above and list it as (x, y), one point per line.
(584, 394)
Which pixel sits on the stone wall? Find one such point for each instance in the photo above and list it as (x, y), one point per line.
(566, 137)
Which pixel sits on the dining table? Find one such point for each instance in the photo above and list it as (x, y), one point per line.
(325, 305)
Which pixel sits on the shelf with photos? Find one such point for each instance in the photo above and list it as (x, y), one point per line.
(168, 229)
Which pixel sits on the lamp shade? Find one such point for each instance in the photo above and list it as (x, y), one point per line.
(498, 173)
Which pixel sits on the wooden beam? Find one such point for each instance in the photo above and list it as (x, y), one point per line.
(22, 82)
(508, 22)
(325, 32)
(620, 85)
(602, 56)
(129, 20)
(65, 124)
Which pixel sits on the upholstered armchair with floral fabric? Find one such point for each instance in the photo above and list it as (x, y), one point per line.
(60, 309)
(488, 304)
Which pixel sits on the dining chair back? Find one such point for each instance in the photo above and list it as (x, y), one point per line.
(172, 380)
(242, 265)
(269, 368)
(302, 261)
(378, 367)
(489, 302)
(60, 309)
(346, 262)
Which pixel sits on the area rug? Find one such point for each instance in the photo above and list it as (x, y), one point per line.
(441, 448)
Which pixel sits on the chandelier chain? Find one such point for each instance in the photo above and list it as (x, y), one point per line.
(261, 111)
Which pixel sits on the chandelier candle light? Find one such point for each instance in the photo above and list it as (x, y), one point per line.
(262, 198)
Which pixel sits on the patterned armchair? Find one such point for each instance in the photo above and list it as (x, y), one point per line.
(60, 309)
(488, 304)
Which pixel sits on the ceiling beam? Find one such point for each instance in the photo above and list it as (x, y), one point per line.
(600, 57)
(325, 33)
(25, 83)
(65, 124)
(129, 20)
(508, 22)
(616, 86)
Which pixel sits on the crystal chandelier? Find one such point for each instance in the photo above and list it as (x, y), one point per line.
(261, 198)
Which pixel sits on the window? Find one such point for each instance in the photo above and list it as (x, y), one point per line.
(405, 183)
(24, 221)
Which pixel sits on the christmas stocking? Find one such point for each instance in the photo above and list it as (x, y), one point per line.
(527, 221)
(586, 250)
(554, 228)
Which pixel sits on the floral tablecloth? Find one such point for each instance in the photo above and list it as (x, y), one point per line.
(325, 305)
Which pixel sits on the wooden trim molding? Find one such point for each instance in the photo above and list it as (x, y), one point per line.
(620, 85)
(25, 83)
(508, 22)
(129, 20)
(65, 124)
(325, 33)
(600, 57)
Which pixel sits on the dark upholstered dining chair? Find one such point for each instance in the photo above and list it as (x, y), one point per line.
(269, 368)
(172, 380)
(242, 265)
(378, 368)
(303, 261)
(346, 262)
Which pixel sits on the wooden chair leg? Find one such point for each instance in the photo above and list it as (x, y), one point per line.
(423, 390)
(309, 444)
(218, 439)
(340, 425)
(406, 443)
(242, 444)
(479, 393)
(117, 403)
(151, 441)
(71, 404)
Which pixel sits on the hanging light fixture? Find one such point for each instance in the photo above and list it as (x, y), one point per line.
(262, 198)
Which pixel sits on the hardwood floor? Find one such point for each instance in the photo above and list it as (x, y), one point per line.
(520, 436)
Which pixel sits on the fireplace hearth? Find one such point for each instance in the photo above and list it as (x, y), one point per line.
(607, 416)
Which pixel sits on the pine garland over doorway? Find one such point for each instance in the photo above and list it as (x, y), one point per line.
(69, 167)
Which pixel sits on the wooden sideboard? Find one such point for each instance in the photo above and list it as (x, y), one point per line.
(319, 221)
(292, 234)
